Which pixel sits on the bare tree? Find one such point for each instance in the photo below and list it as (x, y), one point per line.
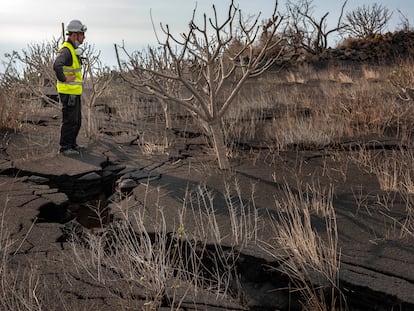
(97, 79)
(10, 75)
(194, 71)
(36, 64)
(405, 24)
(9, 93)
(307, 32)
(367, 20)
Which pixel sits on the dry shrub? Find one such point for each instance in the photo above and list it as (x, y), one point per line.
(21, 287)
(344, 78)
(371, 73)
(402, 78)
(328, 105)
(393, 168)
(139, 254)
(320, 108)
(395, 173)
(308, 257)
(292, 77)
(10, 110)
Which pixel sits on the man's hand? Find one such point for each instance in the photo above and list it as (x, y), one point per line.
(70, 78)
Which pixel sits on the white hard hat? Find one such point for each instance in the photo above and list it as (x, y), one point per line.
(75, 26)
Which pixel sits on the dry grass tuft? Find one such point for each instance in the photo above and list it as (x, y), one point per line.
(10, 110)
(309, 258)
(395, 173)
(139, 251)
(344, 78)
(371, 73)
(21, 288)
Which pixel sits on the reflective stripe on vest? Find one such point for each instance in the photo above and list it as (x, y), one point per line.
(74, 88)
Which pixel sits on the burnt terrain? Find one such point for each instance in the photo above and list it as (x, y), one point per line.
(48, 198)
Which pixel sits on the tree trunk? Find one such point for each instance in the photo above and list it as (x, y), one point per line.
(167, 114)
(219, 145)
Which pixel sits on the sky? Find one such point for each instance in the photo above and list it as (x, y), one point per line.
(110, 22)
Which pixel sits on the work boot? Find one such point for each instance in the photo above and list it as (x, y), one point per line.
(79, 147)
(69, 152)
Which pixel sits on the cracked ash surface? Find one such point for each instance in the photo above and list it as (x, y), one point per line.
(46, 198)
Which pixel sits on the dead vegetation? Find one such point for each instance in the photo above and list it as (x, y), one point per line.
(355, 115)
(334, 109)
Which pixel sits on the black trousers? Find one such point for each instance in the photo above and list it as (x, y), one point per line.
(71, 120)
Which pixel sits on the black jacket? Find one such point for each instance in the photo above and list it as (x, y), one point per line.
(63, 58)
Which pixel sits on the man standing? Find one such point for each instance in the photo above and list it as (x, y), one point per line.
(68, 69)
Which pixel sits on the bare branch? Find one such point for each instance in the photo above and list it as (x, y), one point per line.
(307, 32)
(193, 70)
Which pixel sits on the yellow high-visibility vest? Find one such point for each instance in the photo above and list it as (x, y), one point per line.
(75, 87)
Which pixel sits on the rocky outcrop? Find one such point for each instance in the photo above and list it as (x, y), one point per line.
(379, 48)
